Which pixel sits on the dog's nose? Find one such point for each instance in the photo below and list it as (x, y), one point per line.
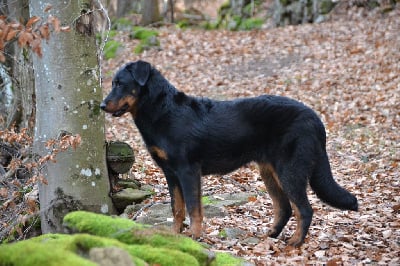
(103, 106)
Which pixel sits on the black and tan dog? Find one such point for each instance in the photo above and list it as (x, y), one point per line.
(189, 137)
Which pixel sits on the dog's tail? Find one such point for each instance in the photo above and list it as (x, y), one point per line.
(328, 190)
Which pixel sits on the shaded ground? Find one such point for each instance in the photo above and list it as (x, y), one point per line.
(348, 70)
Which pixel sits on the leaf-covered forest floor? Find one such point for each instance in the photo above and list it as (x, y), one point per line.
(348, 71)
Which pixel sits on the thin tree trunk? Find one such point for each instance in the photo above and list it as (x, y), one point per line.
(19, 68)
(68, 95)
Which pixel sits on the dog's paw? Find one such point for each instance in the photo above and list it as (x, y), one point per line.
(190, 234)
(177, 227)
(273, 233)
(295, 241)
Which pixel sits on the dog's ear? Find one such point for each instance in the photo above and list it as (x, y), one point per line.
(140, 71)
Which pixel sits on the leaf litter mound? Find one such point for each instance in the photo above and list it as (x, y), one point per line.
(348, 71)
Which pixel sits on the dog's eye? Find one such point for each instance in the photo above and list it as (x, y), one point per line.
(115, 83)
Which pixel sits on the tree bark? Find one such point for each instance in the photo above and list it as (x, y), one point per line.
(68, 94)
(188, 4)
(120, 8)
(292, 12)
(21, 111)
(150, 12)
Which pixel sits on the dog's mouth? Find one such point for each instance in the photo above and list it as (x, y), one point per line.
(121, 111)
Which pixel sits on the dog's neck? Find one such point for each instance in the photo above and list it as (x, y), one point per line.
(159, 86)
(156, 93)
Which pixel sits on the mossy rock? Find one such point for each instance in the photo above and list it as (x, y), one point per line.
(129, 196)
(57, 249)
(146, 44)
(141, 33)
(234, 17)
(147, 37)
(120, 156)
(100, 234)
(130, 232)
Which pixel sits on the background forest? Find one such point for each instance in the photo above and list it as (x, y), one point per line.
(339, 57)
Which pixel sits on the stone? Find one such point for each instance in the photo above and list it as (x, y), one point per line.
(234, 233)
(127, 196)
(110, 256)
(158, 214)
(128, 183)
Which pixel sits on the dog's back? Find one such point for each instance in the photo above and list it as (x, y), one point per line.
(224, 135)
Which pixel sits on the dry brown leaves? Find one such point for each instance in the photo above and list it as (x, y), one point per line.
(348, 70)
(21, 171)
(29, 34)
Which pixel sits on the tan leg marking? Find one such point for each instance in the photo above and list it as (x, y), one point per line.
(196, 222)
(297, 239)
(274, 189)
(178, 210)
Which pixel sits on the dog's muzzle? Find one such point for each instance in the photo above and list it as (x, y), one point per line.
(119, 112)
(103, 106)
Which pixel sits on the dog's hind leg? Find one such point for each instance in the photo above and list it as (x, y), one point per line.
(177, 202)
(294, 177)
(281, 204)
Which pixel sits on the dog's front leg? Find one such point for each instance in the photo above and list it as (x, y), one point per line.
(177, 201)
(190, 180)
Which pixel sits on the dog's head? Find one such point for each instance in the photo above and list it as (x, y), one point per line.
(125, 88)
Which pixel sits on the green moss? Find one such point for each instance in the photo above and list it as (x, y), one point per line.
(225, 259)
(222, 234)
(232, 19)
(210, 25)
(146, 253)
(206, 200)
(162, 256)
(100, 36)
(31, 253)
(183, 24)
(111, 48)
(130, 232)
(144, 244)
(141, 33)
(147, 37)
(97, 224)
(251, 23)
(147, 246)
(95, 110)
(326, 6)
(63, 250)
(163, 238)
(139, 48)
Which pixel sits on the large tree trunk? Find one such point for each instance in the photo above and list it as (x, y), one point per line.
(150, 12)
(68, 94)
